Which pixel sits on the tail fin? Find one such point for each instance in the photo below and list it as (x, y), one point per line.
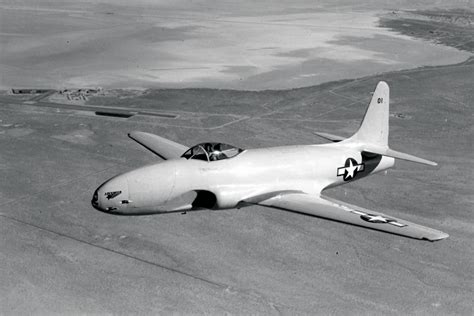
(372, 135)
(374, 127)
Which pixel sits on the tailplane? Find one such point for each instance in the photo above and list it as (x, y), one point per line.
(396, 154)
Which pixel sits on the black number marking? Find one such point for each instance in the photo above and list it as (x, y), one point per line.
(379, 100)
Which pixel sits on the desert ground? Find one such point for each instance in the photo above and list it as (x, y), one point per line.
(206, 44)
(59, 255)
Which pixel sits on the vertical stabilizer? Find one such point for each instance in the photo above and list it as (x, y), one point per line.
(372, 135)
(374, 127)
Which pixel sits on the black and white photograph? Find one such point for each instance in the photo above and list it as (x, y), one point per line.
(204, 157)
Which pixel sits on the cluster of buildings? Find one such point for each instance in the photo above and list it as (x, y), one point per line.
(79, 94)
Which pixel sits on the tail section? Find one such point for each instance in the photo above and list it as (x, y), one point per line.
(372, 135)
(374, 127)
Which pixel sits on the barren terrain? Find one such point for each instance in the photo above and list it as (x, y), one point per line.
(59, 255)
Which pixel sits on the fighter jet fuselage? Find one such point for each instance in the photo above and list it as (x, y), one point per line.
(228, 182)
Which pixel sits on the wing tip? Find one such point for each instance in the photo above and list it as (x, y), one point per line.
(438, 236)
(134, 134)
(429, 162)
(131, 135)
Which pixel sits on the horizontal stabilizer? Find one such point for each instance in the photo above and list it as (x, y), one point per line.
(331, 137)
(335, 210)
(160, 146)
(396, 154)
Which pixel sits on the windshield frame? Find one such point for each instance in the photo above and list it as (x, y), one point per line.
(195, 151)
(212, 151)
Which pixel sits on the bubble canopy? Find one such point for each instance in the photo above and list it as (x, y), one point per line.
(212, 152)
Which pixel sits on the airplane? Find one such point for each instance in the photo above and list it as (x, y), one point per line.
(216, 176)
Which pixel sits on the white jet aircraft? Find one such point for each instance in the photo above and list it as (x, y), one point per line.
(219, 176)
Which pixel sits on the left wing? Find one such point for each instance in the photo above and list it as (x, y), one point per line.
(160, 146)
(335, 210)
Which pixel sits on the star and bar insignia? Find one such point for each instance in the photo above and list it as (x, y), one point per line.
(350, 169)
(377, 219)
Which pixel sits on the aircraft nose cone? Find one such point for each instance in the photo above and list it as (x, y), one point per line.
(112, 196)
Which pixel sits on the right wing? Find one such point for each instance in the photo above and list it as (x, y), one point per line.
(335, 210)
(160, 146)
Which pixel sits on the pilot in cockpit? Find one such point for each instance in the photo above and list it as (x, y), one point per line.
(214, 151)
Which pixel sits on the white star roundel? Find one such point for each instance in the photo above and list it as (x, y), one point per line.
(350, 169)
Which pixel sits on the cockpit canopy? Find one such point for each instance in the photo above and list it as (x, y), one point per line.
(212, 152)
